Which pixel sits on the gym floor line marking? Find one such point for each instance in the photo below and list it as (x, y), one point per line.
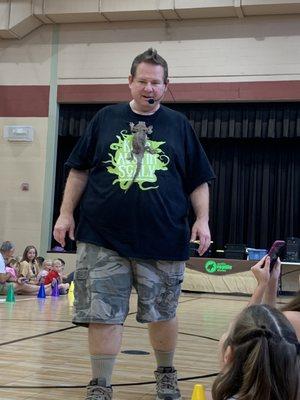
(37, 336)
(179, 333)
(35, 320)
(189, 378)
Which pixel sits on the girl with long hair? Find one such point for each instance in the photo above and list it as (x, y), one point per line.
(261, 358)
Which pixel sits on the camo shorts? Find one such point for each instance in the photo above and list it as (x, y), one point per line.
(104, 280)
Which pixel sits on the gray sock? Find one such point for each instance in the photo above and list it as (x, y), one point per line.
(164, 358)
(102, 366)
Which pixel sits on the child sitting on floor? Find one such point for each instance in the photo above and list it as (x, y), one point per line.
(13, 269)
(54, 276)
(46, 268)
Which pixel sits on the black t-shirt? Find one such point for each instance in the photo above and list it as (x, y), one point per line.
(147, 218)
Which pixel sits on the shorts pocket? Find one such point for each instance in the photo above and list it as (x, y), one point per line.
(174, 280)
(167, 300)
(81, 289)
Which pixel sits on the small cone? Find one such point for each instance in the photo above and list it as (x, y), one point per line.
(198, 392)
(41, 294)
(55, 290)
(10, 296)
(71, 298)
(71, 288)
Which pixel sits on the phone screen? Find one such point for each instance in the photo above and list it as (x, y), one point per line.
(275, 251)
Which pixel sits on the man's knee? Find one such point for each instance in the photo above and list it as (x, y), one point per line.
(109, 330)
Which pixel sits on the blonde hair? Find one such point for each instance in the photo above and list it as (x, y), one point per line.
(47, 262)
(15, 263)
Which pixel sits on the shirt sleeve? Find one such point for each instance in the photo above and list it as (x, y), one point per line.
(2, 265)
(198, 168)
(24, 270)
(83, 155)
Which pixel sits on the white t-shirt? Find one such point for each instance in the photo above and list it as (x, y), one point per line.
(2, 265)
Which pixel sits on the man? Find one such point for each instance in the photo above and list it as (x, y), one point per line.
(134, 170)
(6, 252)
(4, 276)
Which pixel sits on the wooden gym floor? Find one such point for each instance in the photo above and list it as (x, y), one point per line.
(44, 356)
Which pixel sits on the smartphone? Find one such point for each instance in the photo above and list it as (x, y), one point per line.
(275, 251)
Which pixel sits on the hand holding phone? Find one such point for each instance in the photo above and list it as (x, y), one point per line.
(275, 251)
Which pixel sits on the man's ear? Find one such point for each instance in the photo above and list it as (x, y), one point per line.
(130, 79)
(228, 355)
(166, 85)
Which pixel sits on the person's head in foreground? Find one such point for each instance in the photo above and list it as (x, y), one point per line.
(260, 358)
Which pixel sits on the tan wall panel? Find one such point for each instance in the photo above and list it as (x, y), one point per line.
(26, 61)
(220, 50)
(21, 211)
(215, 50)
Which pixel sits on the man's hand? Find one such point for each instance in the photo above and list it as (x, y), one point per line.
(201, 232)
(75, 186)
(64, 224)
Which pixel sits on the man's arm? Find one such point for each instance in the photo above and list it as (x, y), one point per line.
(74, 189)
(200, 230)
(4, 277)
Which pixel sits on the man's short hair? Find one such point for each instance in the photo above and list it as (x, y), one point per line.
(6, 246)
(150, 56)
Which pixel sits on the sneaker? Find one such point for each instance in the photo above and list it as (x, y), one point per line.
(97, 390)
(166, 384)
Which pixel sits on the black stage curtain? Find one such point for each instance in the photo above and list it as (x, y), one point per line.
(255, 198)
(213, 121)
(254, 149)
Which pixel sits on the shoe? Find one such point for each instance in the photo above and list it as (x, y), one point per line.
(166, 384)
(97, 390)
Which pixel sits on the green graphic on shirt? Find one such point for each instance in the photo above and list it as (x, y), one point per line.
(124, 165)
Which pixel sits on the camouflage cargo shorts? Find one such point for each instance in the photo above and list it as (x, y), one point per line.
(104, 280)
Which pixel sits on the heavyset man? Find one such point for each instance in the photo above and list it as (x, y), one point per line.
(134, 172)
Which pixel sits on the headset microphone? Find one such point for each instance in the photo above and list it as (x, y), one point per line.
(151, 100)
